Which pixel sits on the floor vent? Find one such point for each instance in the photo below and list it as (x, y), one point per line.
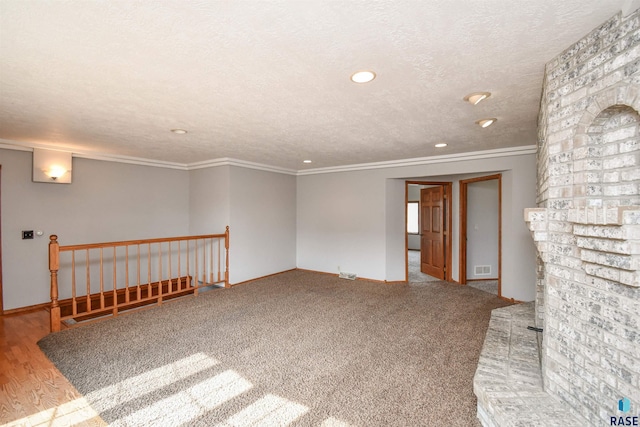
(482, 270)
(350, 276)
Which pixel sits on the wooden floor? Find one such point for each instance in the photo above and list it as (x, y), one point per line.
(32, 390)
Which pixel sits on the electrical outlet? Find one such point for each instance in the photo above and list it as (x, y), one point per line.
(27, 234)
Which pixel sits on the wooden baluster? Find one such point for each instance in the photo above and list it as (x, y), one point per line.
(219, 262)
(54, 265)
(74, 305)
(126, 268)
(196, 273)
(101, 280)
(115, 284)
(204, 262)
(226, 250)
(87, 260)
(139, 284)
(170, 283)
(159, 273)
(149, 293)
(188, 264)
(210, 260)
(179, 267)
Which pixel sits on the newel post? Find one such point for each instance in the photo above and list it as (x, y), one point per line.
(226, 247)
(54, 264)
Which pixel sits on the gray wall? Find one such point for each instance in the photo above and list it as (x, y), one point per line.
(482, 227)
(356, 219)
(341, 222)
(110, 201)
(209, 200)
(352, 220)
(260, 209)
(106, 202)
(263, 223)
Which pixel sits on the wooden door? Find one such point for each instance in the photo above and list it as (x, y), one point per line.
(432, 232)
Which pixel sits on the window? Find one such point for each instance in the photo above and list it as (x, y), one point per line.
(413, 226)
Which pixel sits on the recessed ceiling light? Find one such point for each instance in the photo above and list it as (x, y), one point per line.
(179, 131)
(306, 161)
(440, 145)
(475, 97)
(363, 76)
(486, 122)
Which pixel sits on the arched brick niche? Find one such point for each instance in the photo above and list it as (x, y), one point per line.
(603, 216)
(606, 154)
(606, 190)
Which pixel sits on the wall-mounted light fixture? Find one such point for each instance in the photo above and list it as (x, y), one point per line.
(51, 166)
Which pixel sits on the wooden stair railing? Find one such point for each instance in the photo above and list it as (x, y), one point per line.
(172, 267)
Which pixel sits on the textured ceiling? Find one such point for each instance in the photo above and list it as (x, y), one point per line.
(268, 81)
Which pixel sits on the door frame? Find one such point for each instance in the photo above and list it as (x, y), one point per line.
(463, 227)
(1, 291)
(447, 191)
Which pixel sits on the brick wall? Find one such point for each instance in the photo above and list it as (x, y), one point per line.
(587, 225)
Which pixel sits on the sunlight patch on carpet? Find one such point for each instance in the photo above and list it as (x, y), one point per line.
(190, 403)
(182, 407)
(268, 411)
(151, 380)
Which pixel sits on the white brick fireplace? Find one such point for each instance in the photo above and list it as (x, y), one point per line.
(587, 225)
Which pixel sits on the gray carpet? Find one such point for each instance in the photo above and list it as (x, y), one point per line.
(297, 348)
(415, 275)
(490, 286)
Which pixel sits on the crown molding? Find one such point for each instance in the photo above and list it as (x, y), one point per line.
(131, 160)
(29, 146)
(9, 146)
(418, 161)
(226, 161)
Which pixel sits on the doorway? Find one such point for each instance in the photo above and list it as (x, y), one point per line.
(427, 226)
(481, 233)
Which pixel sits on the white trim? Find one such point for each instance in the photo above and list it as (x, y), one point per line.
(29, 146)
(226, 161)
(474, 155)
(208, 164)
(131, 160)
(14, 147)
